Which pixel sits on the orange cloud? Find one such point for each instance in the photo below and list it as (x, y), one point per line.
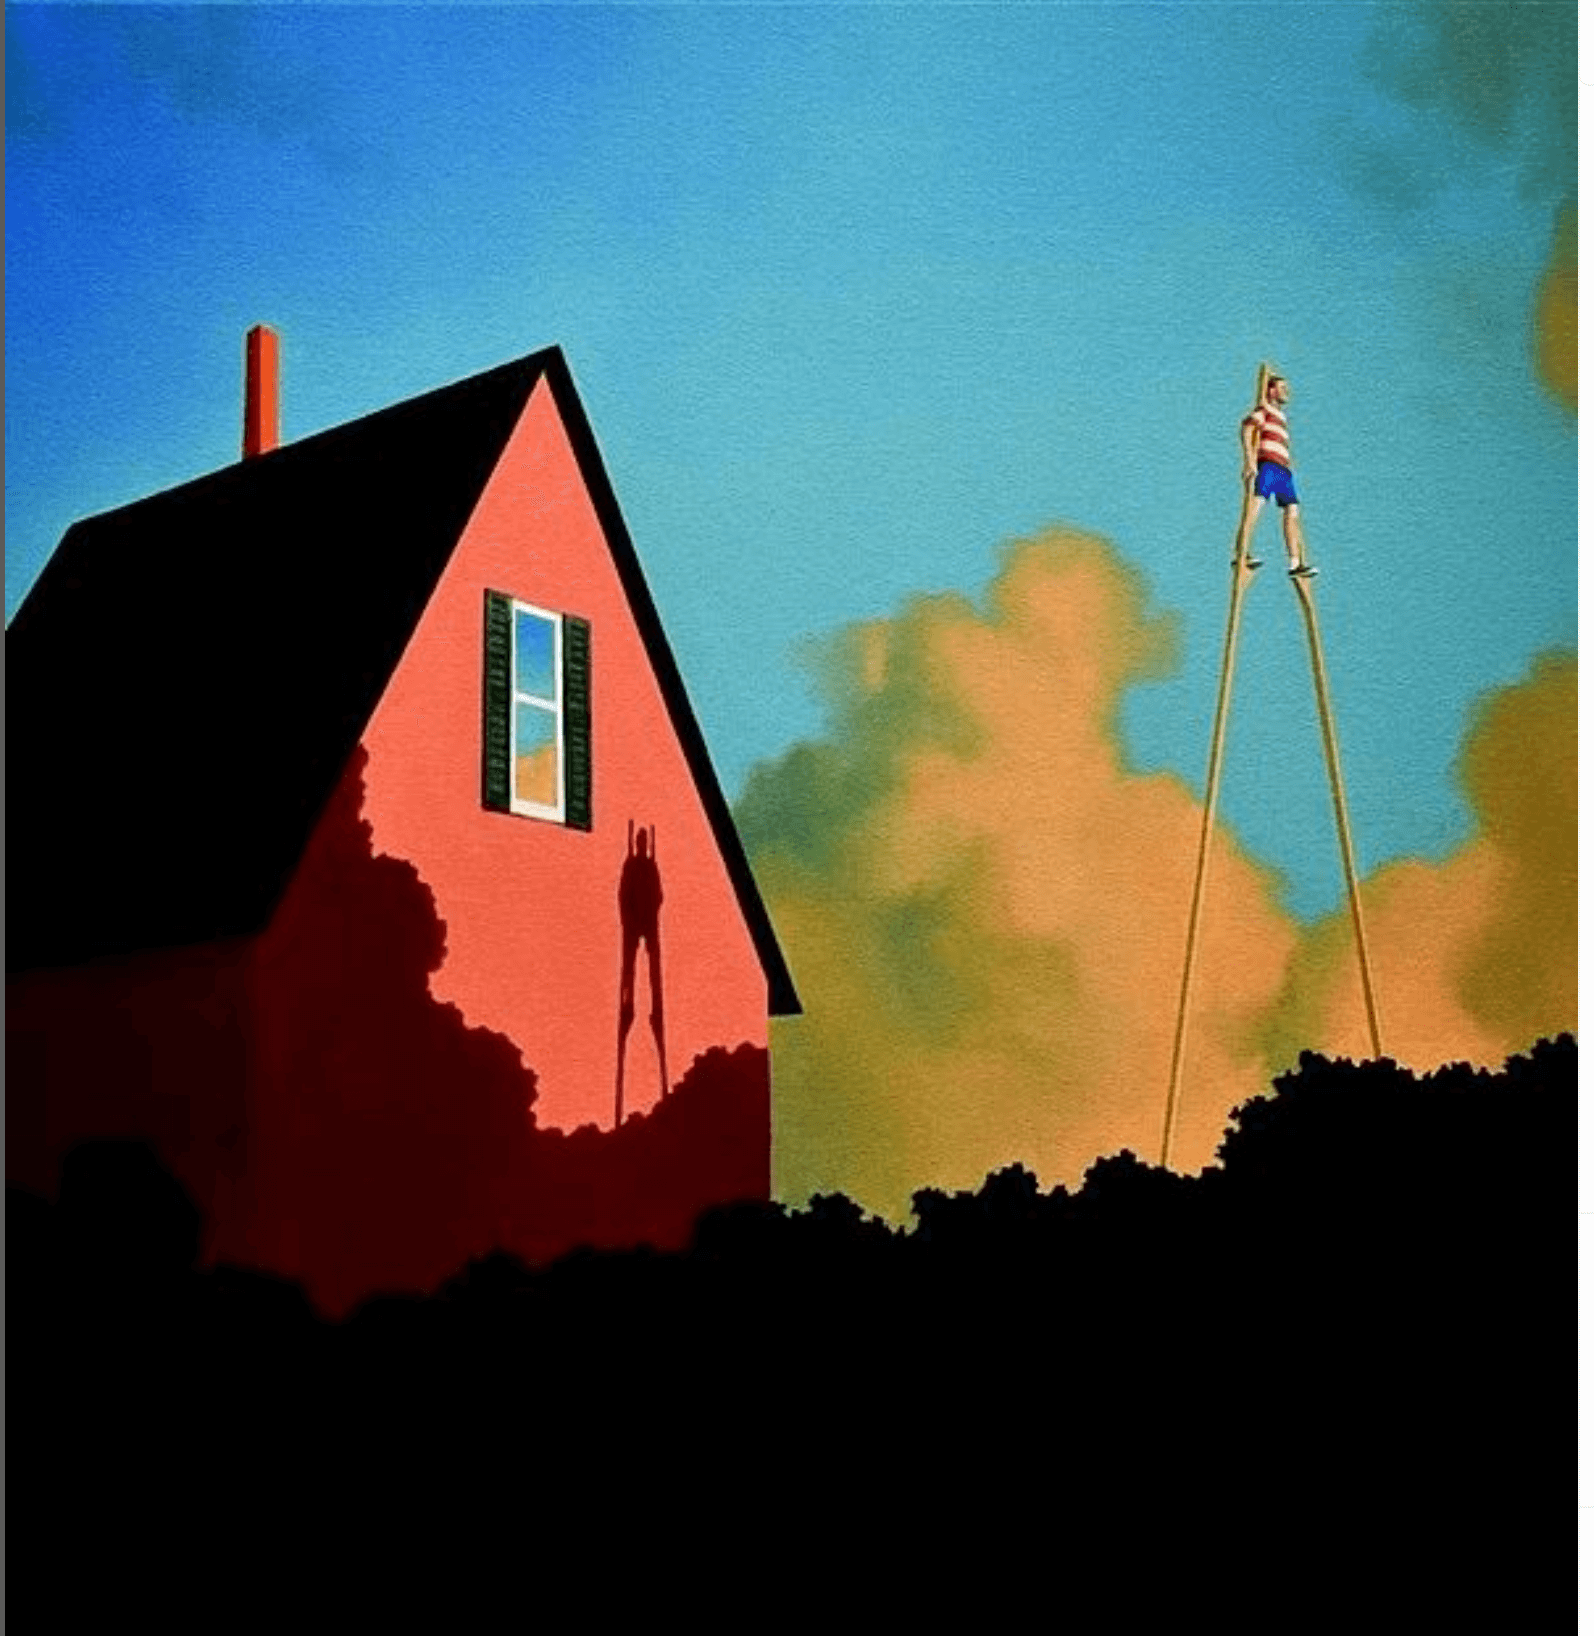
(985, 908)
(1519, 769)
(1474, 957)
(537, 776)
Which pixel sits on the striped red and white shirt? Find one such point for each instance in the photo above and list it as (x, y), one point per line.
(1274, 442)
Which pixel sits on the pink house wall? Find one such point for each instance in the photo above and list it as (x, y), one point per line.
(531, 907)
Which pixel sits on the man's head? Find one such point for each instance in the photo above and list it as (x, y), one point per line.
(1278, 389)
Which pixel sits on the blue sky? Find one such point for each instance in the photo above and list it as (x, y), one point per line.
(854, 295)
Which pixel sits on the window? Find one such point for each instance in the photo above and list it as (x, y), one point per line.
(537, 713)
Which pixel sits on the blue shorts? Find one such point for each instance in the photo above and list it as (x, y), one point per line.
(1274, 482)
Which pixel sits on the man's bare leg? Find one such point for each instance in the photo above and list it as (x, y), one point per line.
(1294, 541)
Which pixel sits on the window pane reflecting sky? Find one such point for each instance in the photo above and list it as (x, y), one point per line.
(534, 645)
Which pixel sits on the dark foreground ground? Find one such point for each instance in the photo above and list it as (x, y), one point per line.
(1329, 1380)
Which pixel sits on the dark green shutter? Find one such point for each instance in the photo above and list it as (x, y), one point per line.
(497, 657)
(578, 722)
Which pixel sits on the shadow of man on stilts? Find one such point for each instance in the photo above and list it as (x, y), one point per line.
(641, 898)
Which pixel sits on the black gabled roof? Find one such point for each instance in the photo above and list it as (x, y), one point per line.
(184, 695)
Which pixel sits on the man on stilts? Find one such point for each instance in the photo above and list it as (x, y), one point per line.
(1266, 474)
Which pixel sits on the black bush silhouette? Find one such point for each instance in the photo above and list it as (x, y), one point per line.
(1353, 1315)
(124, 1216)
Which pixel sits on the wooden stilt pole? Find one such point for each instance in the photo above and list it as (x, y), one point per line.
(1303, 589)
(1231, 641)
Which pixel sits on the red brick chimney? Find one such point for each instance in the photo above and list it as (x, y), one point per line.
(260, 391)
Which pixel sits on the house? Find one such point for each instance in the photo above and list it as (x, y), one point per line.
(350, 785)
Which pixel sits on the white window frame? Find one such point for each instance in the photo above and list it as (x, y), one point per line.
(531, 809)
